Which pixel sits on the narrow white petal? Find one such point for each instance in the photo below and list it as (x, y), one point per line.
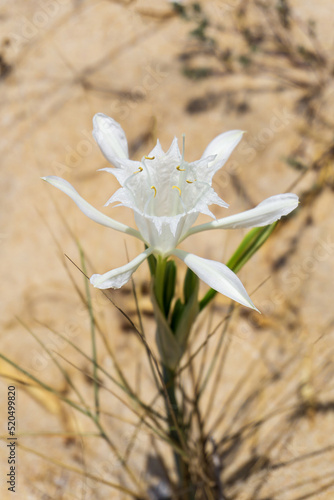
(157, 151)
(217, 276)
(120, 173)
(222, 146)
(88, 209)
(174, 151)
(110, 137)
(118, 277)
(265, 213)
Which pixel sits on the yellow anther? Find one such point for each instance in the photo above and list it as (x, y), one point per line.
(176, 187)
(149, 157)
(180, 169)
(190, 182)
(140, 169)
(155, 190)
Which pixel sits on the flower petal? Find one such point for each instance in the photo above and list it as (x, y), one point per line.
(265, 213)
(118, 277)
(110, 137)
(222, 146)
(174, 151)
(217, 276)
(120, 173)
(88, 209)
(157, 150)
(124, 169)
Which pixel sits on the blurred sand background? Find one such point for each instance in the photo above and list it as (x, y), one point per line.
(144, 64)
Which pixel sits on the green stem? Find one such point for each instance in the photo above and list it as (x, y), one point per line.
(160, 281)
(164, 282)
(187, 491)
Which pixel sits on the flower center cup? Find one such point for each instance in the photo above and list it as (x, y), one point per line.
(166, 194)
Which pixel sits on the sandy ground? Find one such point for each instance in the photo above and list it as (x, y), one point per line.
(61, 62)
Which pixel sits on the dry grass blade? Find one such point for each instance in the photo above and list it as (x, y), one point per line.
(77, 407)
(55, 434)
(156, 366)
(158, 431)
(103, 433)
(147, 407)
(55, 361)
(93, 477)
(215, 357)
(64, 259)
(205, 349)
(220, 417)
(202, 346)
(46, 387)
(87, 303)
(93, 335)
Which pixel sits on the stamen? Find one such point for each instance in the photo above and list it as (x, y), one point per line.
(140, 169)
(180, 169)
(176, 187)
(191, 182)
(146, 170)
(149, 157)
(155, 190)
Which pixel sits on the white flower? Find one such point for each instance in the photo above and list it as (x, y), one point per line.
(167, 194)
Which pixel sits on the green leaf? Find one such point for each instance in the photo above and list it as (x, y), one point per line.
(168, 346)
(189, 285)
(249, 246)
(178, 308)
(189, 312)
(251, 243)
(152, 262)
(169, 285)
